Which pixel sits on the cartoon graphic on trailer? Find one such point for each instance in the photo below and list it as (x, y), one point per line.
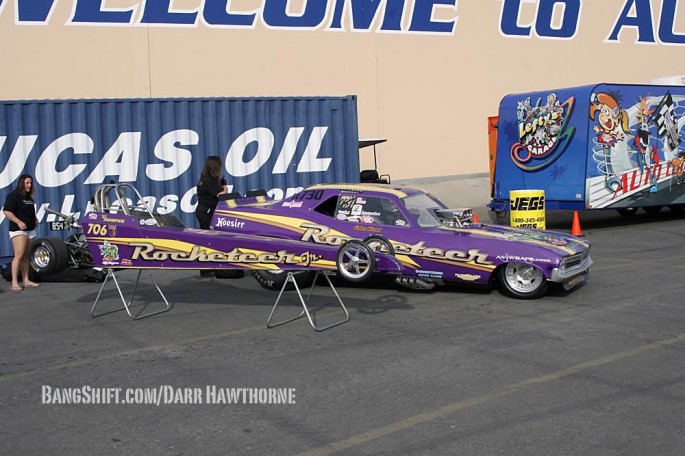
(608, 146)
(543, 135)
(612, 122)
(635, 163)
(646, 155)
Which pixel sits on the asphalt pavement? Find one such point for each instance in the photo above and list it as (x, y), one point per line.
(459, 371)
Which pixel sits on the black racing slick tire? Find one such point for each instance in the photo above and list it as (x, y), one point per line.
(522, 281)
(48, 255)
(274, 279)
(355, 261)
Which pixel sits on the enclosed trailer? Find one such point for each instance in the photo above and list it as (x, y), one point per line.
(602, 146)
(279, 144)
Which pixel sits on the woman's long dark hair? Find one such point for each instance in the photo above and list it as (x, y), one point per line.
(212, 168)
(20, 184)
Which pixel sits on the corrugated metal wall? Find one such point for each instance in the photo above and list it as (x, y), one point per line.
(72, 146)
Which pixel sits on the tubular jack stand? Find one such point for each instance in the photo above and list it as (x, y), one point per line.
(109, 274)
(305, 309)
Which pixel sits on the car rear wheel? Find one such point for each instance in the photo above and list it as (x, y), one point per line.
(48, 255)
(379, 244)
(355, 261)
(274, 279)
(522, 281)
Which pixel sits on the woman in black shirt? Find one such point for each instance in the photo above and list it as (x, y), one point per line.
(209, 187)
(20, 210)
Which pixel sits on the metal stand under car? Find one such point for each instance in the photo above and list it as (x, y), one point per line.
(107, 201)
(109, 273)
(305, 309)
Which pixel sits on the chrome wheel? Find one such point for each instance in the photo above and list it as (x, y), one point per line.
(41, 257)
(355, 261)
(523, 281)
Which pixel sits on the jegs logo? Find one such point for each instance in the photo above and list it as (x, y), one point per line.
(543, 135)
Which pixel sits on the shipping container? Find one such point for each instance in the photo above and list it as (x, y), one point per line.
(279, 144)
(602, 146)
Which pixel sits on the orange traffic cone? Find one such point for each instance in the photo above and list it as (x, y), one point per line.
(575, 228)
(475, 218)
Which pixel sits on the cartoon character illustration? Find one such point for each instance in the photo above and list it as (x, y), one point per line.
(612, 124)
(553, 105)
(542, 130)
(109, 252)
(647, 156)
(523, 110)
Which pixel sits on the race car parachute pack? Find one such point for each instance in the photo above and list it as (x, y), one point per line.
(603, 146)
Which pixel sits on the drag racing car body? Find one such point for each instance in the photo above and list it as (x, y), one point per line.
(434, 244)
(121, 235)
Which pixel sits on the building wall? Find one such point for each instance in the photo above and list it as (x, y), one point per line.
(428, 86)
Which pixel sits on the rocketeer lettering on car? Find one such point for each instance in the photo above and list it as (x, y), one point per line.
(320, 234)
(147, 251)
(323, 234)
(166, 249)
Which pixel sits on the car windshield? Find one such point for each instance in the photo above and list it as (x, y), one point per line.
(422, 207)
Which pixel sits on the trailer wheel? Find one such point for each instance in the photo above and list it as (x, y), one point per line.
(652, 209)
(273, 279)
(48, 255)
(355, 261)
(522, 281)
(628, 212)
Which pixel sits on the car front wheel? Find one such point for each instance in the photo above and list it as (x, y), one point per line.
(522, 281)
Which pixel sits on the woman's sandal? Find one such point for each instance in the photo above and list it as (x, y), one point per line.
(16, 289)
(31, 285)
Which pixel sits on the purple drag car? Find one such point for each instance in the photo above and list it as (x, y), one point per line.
(434, 244)
(125, 236)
